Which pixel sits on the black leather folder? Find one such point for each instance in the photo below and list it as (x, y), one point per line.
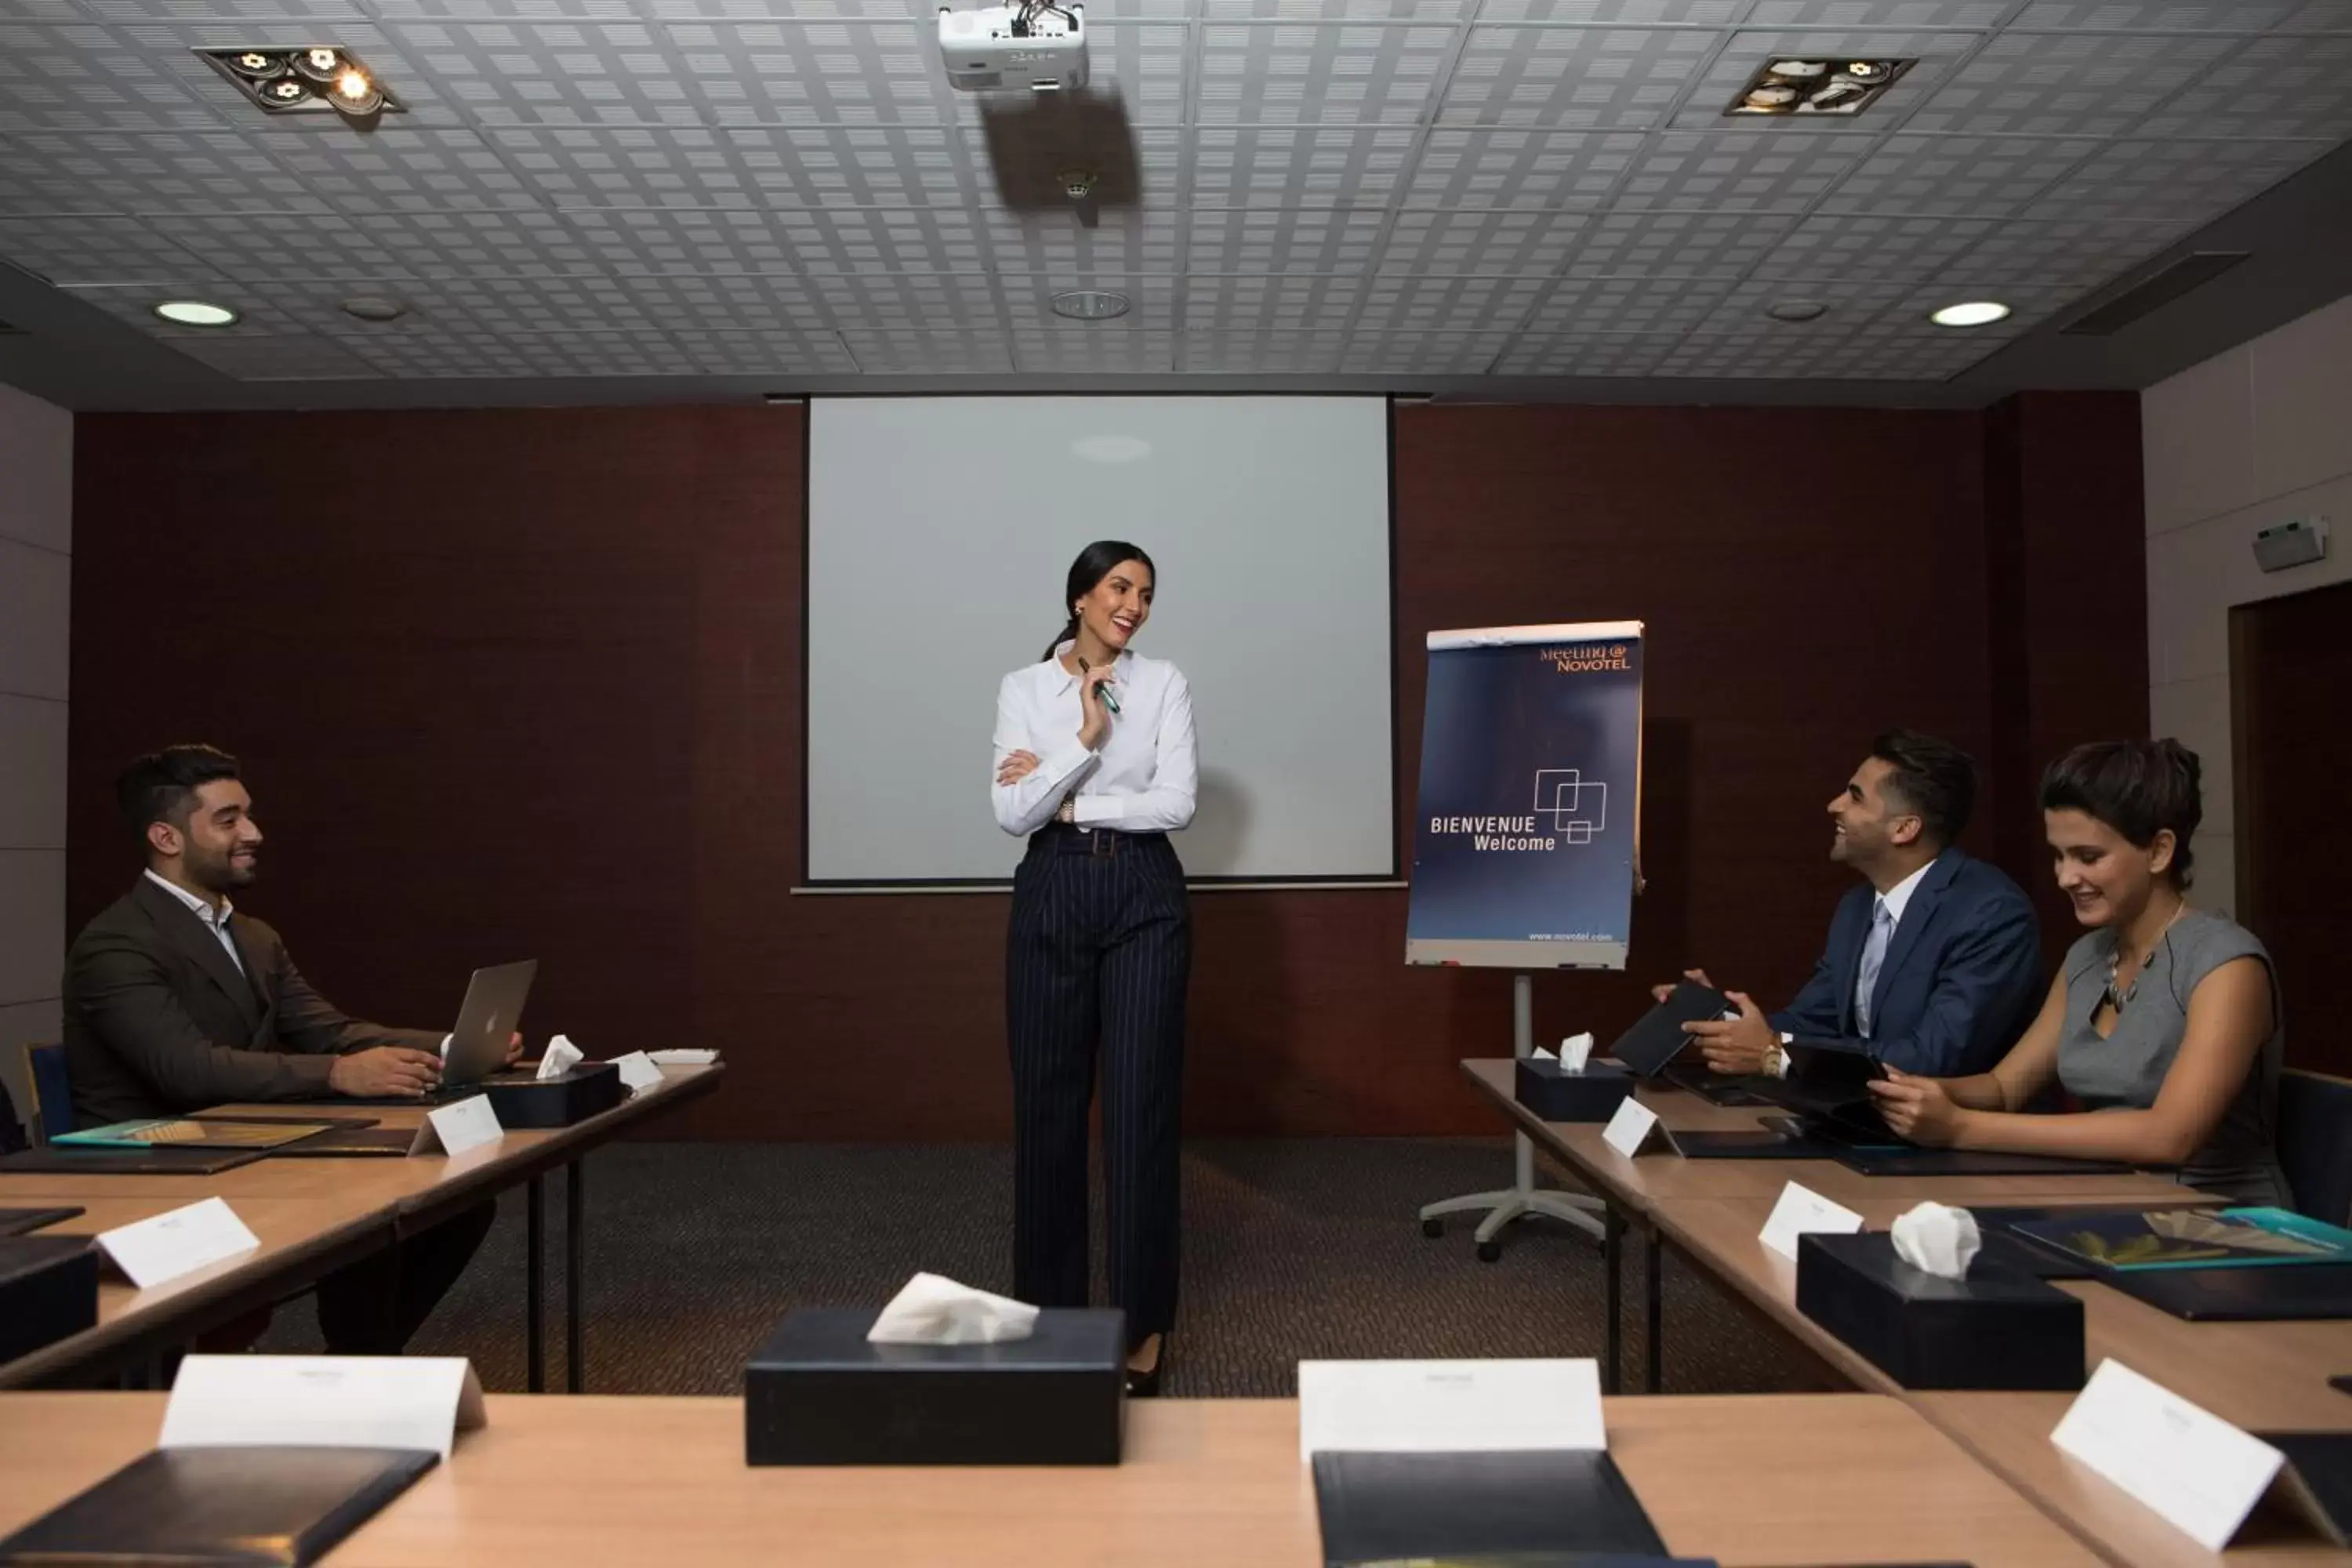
(23, 1222)
(56, 1162)
(1657, 1035)
(2241, 1295)
(2318, 1477)
(222, 1507)
(1379, 1507)
(1766, 1145)
(2005, 1247)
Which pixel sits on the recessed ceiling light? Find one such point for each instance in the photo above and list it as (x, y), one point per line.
(1970, 313)
(195, 313)
(1816, 84)
(1090, 304)
(1796, 310)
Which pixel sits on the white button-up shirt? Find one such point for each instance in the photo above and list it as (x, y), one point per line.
(1144, 777)
(1894, 901)
(216, 920)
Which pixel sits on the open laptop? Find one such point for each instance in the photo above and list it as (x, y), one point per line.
(478, 1045)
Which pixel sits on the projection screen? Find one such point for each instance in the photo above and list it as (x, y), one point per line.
(940, 534)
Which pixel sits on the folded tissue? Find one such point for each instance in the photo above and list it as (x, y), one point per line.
(1938, 1240)
(932, 1309)
(560, 1057)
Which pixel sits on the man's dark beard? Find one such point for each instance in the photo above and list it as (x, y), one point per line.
(221, 876)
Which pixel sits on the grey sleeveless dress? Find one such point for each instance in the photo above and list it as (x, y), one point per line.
(2125, 1069)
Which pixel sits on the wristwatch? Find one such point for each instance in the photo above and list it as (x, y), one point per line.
(1776, 1059)
(1068, 810)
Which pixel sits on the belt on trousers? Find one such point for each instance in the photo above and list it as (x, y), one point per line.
(1102, 843)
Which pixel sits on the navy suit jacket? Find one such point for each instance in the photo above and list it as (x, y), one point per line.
(1961, 979)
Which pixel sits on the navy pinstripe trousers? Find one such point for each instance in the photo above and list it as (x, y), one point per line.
(1099, 951)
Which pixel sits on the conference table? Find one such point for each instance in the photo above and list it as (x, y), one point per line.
(2261, 1376)
(1750, 1481)
(1647, 1189)
(313, 1215)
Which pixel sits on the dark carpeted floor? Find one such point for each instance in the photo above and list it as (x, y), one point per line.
(1294, 1248)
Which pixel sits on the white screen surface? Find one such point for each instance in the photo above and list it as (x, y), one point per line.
(940, 531)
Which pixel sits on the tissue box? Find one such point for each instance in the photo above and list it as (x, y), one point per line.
(1592, 1094)
(1991, 1330)
(48, 1289)
(818, 1394)
(523, 1100)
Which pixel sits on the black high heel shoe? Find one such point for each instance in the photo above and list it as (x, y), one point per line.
(1146, 1384)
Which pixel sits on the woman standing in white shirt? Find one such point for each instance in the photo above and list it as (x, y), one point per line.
(1095, 764)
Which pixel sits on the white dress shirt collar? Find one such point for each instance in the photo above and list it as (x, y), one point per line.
(201, 909)
(1899, 896)
(1062, 650)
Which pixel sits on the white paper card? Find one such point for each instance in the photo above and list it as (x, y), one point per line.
(161, 1249)
(1630, 1127)
(454, 1129)
(2202, 1475)
(682, 1057)
(1801, 1209)
(323, 1402)
(560, 1057)
(637, 1070)
(1448, 1406)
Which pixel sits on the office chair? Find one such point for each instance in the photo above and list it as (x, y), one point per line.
(2315, 1142)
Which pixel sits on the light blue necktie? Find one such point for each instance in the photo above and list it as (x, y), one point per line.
(1874, 957)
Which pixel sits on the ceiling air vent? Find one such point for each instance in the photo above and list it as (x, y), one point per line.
(2126, 303)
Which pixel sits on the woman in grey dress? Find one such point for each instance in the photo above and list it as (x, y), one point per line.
(2165, 1022)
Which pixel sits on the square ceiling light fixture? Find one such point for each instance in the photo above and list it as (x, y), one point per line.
(315, 79)
(1816, 84)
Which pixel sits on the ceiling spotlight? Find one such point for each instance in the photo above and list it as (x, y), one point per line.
(195, 313)
(375, 308)
(320, 63)
(1796, 310)
(313, 79)
(1794, 84)
(1090, 304)
(1970, 313)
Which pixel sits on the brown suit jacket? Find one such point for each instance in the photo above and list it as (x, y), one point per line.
(158, 1022)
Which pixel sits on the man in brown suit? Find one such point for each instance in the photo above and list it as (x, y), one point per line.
(175, 1000)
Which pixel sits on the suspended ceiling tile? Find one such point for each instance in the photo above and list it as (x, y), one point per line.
(1492, 168)
(916, 304)
(1574, 78)
(1268, 352)
(2061, 84)
(2172, 180)
(401, 168)
(423, 244)
(1864, 248)
(1676, 245)
(1222, 304)
(1586, 353)
(79, 76)
(1984, 177)
(1125, 241)
(1071, 348)
(1028, 302)
(146, 172)
(299, 357)
(1745, 169)
(92, 250)
(2154, 16)
(2063, 250)
(2271, 87)
(1332, 73)
(1441, 305)
(1295, 167)
(1502, 239)
(1372, 353)
(897, 352)
(1274, 239)
(894, 239)
(1583, 306)
(716, 352)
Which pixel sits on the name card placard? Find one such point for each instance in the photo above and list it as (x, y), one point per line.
(1633, 1127)
(2201, 1474)
(159, 1249)
(323, 1402)
(454, 1129)
(1801, 1209)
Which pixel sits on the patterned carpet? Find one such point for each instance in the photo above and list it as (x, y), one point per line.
(1294, 1250)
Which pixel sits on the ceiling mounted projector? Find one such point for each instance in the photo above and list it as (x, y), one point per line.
(1032, 47)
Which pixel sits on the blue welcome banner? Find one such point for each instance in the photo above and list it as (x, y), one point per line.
(1526, 850)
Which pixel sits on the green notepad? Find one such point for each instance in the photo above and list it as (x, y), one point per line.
(2193, 1238)
(180, 1132)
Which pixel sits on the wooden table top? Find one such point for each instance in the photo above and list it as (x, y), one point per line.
(2010, 1432)
(1644, 1182)
(589, 1480)
(2262, 1376)
(303, 1209)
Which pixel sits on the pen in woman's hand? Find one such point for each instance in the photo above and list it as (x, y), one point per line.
(1102, 689)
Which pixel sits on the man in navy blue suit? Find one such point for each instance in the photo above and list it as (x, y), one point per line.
(1933, 966)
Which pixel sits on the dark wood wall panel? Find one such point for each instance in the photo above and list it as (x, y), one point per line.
(529, 682)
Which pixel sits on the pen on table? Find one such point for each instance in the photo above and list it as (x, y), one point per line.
(1109, 701)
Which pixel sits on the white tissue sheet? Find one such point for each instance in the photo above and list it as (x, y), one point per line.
(1575, 1050)
(932, 1309)
(560, 1057)
(1938, 1239)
